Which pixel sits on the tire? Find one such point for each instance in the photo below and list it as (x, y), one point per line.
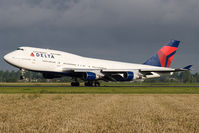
(88, 83)
(21, 77)
(97, 84)
(75, 84)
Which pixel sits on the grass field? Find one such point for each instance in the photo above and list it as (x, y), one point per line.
(60, 88)
(41, 107)
(102, 84)
(99, 90)
(98, 113)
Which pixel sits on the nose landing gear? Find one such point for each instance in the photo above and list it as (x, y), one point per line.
(22, 71)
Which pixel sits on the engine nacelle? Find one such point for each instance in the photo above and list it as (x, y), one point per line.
(89, 76)
(92, 75)
(128, 76)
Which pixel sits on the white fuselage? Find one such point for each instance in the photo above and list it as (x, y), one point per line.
(37, 59)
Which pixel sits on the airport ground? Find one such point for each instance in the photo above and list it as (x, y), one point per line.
(146, 108)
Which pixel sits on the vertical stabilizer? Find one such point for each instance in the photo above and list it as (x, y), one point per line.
(164, 57)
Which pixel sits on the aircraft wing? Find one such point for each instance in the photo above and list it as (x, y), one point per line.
(145, 71)
(115, 74)
(127, 70)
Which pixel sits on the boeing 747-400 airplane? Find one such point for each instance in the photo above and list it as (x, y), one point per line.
(56, 64)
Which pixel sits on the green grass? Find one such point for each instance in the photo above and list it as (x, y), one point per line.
(100, 90)
(125, 89)
(148, 84)
(102, 84)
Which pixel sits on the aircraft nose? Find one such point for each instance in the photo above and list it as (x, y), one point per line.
(7, 57)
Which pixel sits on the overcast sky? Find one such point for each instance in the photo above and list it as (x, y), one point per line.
(122, 30)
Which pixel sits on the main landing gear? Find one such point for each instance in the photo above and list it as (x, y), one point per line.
(91, 83)
(75, 83)
(88, 83)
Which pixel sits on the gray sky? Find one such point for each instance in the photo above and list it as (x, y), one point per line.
(122, 30)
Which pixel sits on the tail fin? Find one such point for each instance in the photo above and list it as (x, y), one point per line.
(164, 57)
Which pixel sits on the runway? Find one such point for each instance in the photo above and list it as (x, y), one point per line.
(159, 86)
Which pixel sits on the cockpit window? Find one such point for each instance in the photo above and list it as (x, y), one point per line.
(20, 49)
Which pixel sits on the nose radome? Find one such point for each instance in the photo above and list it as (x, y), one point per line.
(7, 57)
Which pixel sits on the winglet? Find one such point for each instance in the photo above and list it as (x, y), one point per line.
(188, 67)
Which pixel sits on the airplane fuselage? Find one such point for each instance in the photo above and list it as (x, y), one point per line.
(54, 64)
(37, 59)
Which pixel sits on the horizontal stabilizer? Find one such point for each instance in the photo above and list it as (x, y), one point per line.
(188, 67)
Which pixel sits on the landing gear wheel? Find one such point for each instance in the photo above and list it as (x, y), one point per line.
(21, 77)
(91, 83)
(75, 84)
(88, 83)
(97, 84)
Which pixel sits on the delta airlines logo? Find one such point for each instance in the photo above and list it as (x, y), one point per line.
(42, 55)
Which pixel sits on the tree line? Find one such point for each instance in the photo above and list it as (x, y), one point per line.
(182, 77)
(14, 76)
